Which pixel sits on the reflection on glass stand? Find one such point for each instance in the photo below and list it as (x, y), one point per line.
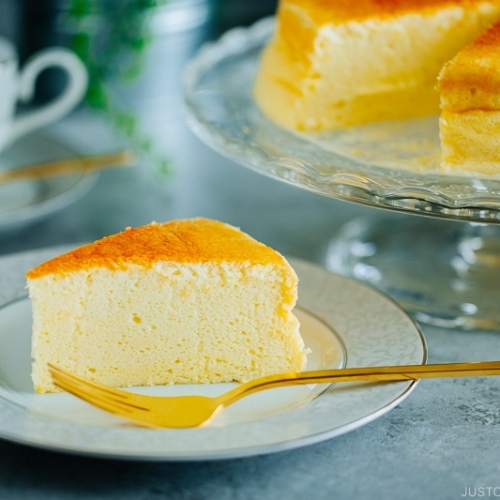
(443, 271)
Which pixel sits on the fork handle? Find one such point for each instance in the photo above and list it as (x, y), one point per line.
(365, 374)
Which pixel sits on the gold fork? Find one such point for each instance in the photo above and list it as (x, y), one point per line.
(194, 411)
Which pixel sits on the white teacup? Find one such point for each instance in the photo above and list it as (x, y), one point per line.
(19, 85)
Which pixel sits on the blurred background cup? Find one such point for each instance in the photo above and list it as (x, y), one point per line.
(18, 85)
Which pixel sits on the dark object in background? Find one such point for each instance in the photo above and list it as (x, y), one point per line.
(33, 25)
(30, 24)
(230, 13)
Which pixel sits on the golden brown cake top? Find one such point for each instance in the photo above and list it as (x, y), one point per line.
(186, 241)
(471, 80)
(327, 11)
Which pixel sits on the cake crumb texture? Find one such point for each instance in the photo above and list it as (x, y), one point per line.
(471, 80)
(469, 85)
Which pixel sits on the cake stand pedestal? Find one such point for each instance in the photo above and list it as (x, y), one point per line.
(444, 273)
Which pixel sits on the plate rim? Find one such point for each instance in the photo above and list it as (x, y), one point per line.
(26, 259)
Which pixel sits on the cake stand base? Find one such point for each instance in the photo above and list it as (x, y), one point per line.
(444, 273)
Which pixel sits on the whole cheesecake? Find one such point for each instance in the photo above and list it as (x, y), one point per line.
(332, 64)
(187, 301)
(469, 125)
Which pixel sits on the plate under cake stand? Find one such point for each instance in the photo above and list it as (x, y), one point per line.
(443, 268)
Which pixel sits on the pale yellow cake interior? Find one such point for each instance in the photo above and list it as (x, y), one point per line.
(213, 306)
(469, 85)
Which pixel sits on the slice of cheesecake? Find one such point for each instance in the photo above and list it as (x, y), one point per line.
(188, 301)
(469, 86)
(338, 63)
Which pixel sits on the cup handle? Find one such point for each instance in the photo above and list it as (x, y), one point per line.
(61, 105)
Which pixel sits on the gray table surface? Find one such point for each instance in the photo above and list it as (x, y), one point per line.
(441, 442)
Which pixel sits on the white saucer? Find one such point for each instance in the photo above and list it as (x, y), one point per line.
(24, 202)
(343, 322)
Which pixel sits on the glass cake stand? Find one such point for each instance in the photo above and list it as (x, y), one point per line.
(443, 268)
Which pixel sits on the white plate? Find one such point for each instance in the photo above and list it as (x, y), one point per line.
(27, 201)
(344, 323)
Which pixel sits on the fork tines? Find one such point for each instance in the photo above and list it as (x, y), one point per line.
(99, 395)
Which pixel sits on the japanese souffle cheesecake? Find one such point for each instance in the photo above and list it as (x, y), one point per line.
(469, 86)
(187, 301)
(338, 63)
